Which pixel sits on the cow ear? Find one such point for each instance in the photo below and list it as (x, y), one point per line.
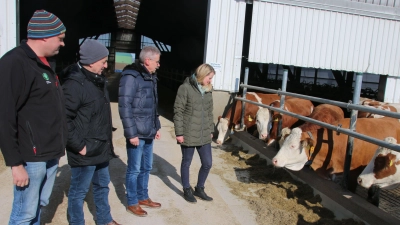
(392, 159)
(277, 117)
(308, 143)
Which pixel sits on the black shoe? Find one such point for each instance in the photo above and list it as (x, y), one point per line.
(199, 192)
(188, 195)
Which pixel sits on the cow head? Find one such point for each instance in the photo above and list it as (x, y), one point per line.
(222, 128)
(292, 154)
(383, 170)
(263, 121)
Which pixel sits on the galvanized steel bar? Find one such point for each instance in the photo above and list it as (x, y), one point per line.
(321, 100)
(282, 103)
(353, 122)
(328, 126)
(246, 78)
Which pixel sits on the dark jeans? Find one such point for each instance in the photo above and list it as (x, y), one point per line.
(206, 163)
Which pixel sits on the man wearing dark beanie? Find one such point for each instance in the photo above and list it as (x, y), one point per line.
(33, 128)
(89, 145)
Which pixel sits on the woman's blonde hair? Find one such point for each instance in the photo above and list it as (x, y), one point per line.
(201, 72)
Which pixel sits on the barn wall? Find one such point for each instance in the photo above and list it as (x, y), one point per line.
(329, 34)
(224, 42)
(8, 26)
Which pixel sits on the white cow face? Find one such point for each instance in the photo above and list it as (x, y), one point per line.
(263, 121)
(383, 170)
(292, 153)
(222, 130)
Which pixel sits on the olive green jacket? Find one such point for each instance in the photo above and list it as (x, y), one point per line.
(193, 114)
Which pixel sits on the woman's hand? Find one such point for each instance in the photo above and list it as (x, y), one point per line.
(180, 139)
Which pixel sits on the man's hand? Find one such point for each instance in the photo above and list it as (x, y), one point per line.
(134, 141)
(20, 176)
(83, 151)
(180, 139)
(158, 135)
(211, 136)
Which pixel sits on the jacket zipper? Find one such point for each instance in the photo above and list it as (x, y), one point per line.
(32, 139)
(202, 117)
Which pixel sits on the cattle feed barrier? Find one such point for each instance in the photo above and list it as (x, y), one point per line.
(343, 203)
(352, 105)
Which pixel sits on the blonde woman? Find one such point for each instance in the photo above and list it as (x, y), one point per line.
(193, 120)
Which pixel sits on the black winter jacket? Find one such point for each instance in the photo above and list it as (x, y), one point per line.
(137, 102)
(88, 117)
(32, 113)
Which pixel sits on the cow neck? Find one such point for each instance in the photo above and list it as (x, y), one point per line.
(310, 149)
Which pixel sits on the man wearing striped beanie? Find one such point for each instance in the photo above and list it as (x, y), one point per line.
(33, 129)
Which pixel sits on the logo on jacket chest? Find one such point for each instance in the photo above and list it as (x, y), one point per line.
(46, 78)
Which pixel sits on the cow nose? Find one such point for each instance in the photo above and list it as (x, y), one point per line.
(219, 142)
(274, 161)
(359, 180)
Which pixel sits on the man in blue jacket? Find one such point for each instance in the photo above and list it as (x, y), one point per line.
(33, 128)
(137, 104)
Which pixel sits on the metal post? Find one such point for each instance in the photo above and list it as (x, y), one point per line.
(246, 78)
(353, 122)
(284, 84)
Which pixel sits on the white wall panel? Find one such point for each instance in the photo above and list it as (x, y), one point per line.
(224, 42)
(361, 37)
(8, 26)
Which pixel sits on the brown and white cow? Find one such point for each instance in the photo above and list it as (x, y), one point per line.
(267, 121)
(326, 113)
(234, 114)
(325, 149)
(383, 170)
(375, 105)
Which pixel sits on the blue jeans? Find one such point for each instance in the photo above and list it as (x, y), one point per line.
(140, 163)
(29, 199)
(81, 177)
(206, 163)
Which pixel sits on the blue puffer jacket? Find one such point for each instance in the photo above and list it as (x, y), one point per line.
(137, 102)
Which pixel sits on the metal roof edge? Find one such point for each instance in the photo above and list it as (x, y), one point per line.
(345, 6)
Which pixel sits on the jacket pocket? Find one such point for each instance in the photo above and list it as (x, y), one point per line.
(31, 137)
(144, 125)
(94, 147)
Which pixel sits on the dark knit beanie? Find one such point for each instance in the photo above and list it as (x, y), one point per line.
(44, 24)
(92, 51)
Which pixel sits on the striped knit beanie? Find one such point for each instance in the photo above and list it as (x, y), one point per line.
(44, 24)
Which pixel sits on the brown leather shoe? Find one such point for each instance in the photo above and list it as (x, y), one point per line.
(136, 210)
(149, 203)
(113, 223)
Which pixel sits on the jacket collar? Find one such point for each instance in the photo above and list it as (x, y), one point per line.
(31, 54)
(141, 69)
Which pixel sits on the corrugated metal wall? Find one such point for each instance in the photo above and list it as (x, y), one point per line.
(319, 37)
(8, 27)
(225, 41)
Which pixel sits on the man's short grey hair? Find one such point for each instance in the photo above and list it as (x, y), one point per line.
(148, 52)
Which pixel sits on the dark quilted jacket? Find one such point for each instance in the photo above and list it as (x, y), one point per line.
(193, 114)
(137, 102)
(88, 117)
